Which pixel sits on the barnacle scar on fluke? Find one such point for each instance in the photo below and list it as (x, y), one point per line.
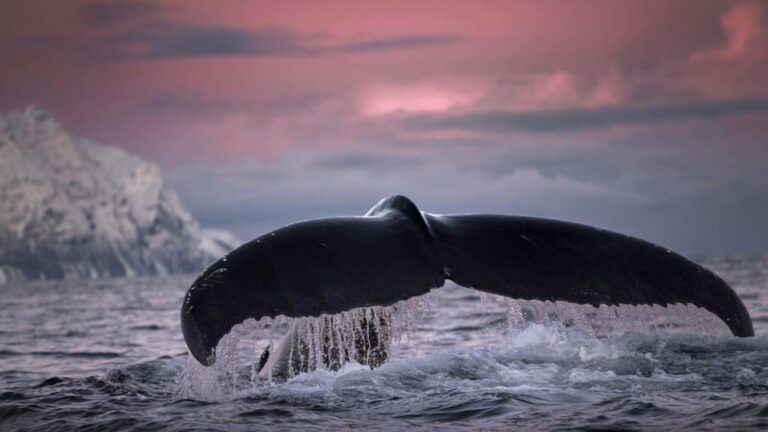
(395, 251)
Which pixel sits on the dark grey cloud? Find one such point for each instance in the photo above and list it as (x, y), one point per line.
(187, 41)
(169, 41)
(105, 13)
(397, 43)
(258, 111)
(181, 102)
(364, 160)
(579, 119)
(191, 41)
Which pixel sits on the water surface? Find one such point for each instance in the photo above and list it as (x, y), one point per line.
(108, 355)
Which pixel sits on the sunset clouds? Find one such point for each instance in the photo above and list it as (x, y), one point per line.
(646, 116)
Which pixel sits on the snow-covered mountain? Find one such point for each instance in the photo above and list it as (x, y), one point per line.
(73, 208)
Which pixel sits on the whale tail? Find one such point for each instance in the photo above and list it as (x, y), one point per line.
(539, 259)
(395, 252)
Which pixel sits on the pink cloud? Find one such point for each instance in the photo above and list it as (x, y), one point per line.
(746, 32)
(512, 56)
(421, 96)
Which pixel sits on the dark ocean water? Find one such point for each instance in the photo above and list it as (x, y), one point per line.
(108, 355)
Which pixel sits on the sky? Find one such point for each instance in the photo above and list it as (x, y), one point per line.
(645, 117)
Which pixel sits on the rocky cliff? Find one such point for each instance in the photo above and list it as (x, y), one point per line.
(73, 208)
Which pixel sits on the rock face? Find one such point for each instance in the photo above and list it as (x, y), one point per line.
(71, 208)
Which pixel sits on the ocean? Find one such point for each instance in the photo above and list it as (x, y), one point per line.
(108, 355)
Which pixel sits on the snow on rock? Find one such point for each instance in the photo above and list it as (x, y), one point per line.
(218, 242)
(72, 208)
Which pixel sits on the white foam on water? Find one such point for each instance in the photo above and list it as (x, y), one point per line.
(316, 336)
(540, 345)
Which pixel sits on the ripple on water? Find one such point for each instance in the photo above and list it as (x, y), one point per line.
(109, 361)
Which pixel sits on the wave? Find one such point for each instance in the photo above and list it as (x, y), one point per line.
(543, 375)
(539, 357)
(64, 354)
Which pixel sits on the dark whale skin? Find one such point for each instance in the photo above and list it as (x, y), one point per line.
(394, 252)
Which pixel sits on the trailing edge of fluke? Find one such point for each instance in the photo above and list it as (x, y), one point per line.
(395, 251)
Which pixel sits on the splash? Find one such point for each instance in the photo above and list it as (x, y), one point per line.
(333, 344)
(363, 336)
(605, 321)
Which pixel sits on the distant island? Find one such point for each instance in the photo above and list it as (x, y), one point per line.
(71, 208)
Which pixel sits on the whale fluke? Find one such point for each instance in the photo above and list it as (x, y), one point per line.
(395, 251)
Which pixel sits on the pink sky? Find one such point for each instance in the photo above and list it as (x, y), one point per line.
(630, 114)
